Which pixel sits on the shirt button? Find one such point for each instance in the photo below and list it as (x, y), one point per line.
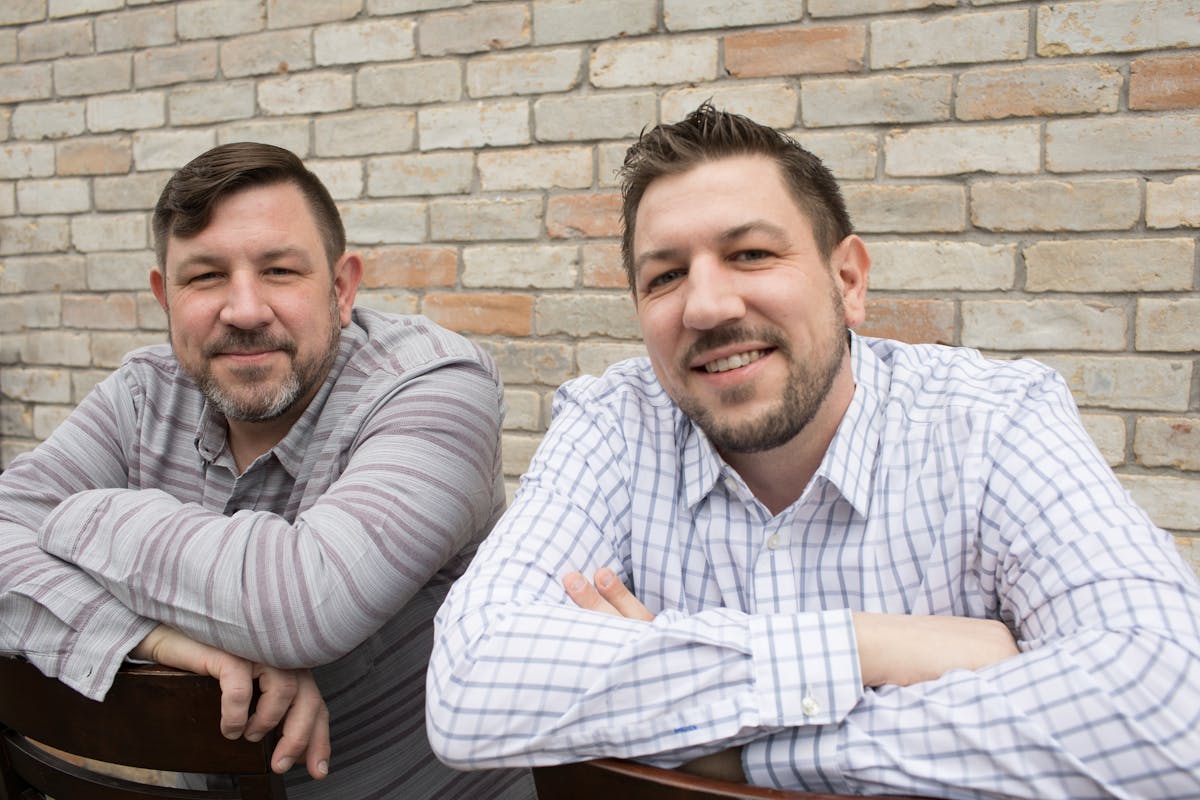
(773, 541)
(730, 485)
(810, 706)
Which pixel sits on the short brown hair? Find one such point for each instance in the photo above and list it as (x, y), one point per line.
(186, 204)
(707, 135)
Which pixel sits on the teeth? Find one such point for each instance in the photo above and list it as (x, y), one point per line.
(733, 362)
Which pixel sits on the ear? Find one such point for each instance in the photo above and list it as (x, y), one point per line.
(347, 274)
(158, 286)
(851, 264)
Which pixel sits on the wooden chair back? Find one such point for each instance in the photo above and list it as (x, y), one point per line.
(153, 718)
(610, 778)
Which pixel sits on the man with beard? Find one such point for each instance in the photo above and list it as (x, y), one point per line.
(781, 552)
(282, 495)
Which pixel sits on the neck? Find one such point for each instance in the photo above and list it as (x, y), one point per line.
(777, 477)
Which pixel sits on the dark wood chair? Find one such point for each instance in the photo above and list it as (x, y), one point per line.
(610, 778)
(152, 718)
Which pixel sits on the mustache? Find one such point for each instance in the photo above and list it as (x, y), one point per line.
(722, 337)
(248, 341)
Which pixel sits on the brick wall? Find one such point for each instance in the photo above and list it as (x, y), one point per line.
(1024, 173)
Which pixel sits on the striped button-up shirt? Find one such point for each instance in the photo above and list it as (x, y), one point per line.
(332, 550)
(954, 485)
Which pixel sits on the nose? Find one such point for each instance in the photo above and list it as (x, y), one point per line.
(713, 298)
(245, 304)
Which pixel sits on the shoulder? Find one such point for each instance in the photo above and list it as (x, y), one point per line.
(629, 384)
(406, 346)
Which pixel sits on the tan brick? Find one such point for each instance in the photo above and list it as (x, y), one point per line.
(53, 196)
(1034, 91)
(409, 267)
(33, 235)
(772, 104)
(55, 40)
(36, 385)
(384, 222)
(557, 21)
(8, 46)
(843, 8)
(1115, 26)
(409, 84)
(169, 149)
(609, 315)
(486, 314)
(200, 105)
(290, 134)
(26, 160)
(1189, 548)
(1172, 503)
(941, 265)
(388, 302)
(517, 451)
(70, 8)
(44, 273)
(139, 190)
(1125, 143)
(16, 419)
(83, 381)
(27, 82)
(296, 13)
(523, 410)
(267, 53)
(8, 199)
(99, 312)
(1173, 204)
(537, 168)
(906, 209)
(810, 50)
(100, 232)
(132, 111)
(368, 132)
(150, 314)
(1108, 432)
(950, 39)
(16, 12)
(599, 116)
(1163, 83)
(166, 65)
(48, 120)
(360, 42)
(1109, 265)
(56, 349)
(609, 158)
(111, 155)
(94, 75)
(1168, 442)
(1132, 382)
(29, 311)
(1050, 205)
(538, 72)
(662, 62)
(583, 215)
(1168, 324)
(952, 150)
(531, 362)
(342, 177)
(135, 30)
(520, 267)
(482, 219)
(124, 271)
(914, 321)
(216, 19)
(476, 30)
(420, 174)
(47, 418)
(876, 99)
(307, 93)
(495, 123)
(1043, 325)
(602, 267)
(595, 357)
(688, 15)
(109, 348)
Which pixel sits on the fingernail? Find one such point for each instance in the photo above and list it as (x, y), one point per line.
(575, 583)
(254, 737)
(284, 764)
(323, 767)
(604, 578)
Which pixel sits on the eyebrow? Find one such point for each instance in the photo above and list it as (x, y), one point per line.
(726, 236)
(211, 260)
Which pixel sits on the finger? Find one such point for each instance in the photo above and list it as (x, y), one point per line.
(619, 596)
(279, 688)
(306, 727)
(319, 748)
(237, 688)
(585, 595)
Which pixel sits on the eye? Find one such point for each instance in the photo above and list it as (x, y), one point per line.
(280, 272)
(204, 277)
(750, 255)
(664, 278)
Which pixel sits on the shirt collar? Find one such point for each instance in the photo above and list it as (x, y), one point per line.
(848, 464)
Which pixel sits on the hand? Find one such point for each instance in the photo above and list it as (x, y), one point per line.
(608, 596)
(724, 765)
(288, 695)
(902, 649)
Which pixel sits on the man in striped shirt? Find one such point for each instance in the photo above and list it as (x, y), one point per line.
(282, 495)
(786, 553)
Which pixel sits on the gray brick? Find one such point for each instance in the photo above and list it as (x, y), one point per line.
(537, 72)
(36, 385)
(520, 267)
(365, 132)
(557, 21)
(124, 271)
(1168, 442)
(95, 75)
(17, 12)
(906, 209)
(1125, 143)
(71, 8)
(1173, 503)
(219, 102)
(342, 177)
(1038, 91)
(1173, 204)
(55, 40)
(531, 361)
(308, 93)
(389, 301)
(483, 219)
(1115, 26)
(26, 82)
(29, 311)
(126, 112)
(137, 191)
(523, 410)
(150, 315)
(359, 42)
(477, 30)
(688, 15)
(56, 349)
(166, 65)
(771, 104)
(216, 19)
(950, 39)
(409, 84)
(47, 273)
(46, 418)
(420, 174)
(98, 232)
(942, 265)
(1168, 324)
(1108, 432)
(33, 235)
(595, 357)
(109, 348)
(953, 150)
(844, 8)
(53, 196)
(267, 53)
(482, 124)
(663, 62)
(384, 221)
(48, 120)
(877, 99)
(609, 315)
(517, 451)
(1050, 205)
(1043, 325)
(26, 160)
(169, 149)
(297, 13)
(849, 155)
(1130, 382)
(135, 30)
(1110, 265)
(290, 134)
(536, 168)
(598, 116)
(379, 8)
(83, 381)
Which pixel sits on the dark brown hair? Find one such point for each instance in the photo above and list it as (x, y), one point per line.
(186, 204)
(707, 135)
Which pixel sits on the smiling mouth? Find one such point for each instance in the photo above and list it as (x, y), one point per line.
(734, 361)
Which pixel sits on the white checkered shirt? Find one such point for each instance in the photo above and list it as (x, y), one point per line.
(955, 485)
